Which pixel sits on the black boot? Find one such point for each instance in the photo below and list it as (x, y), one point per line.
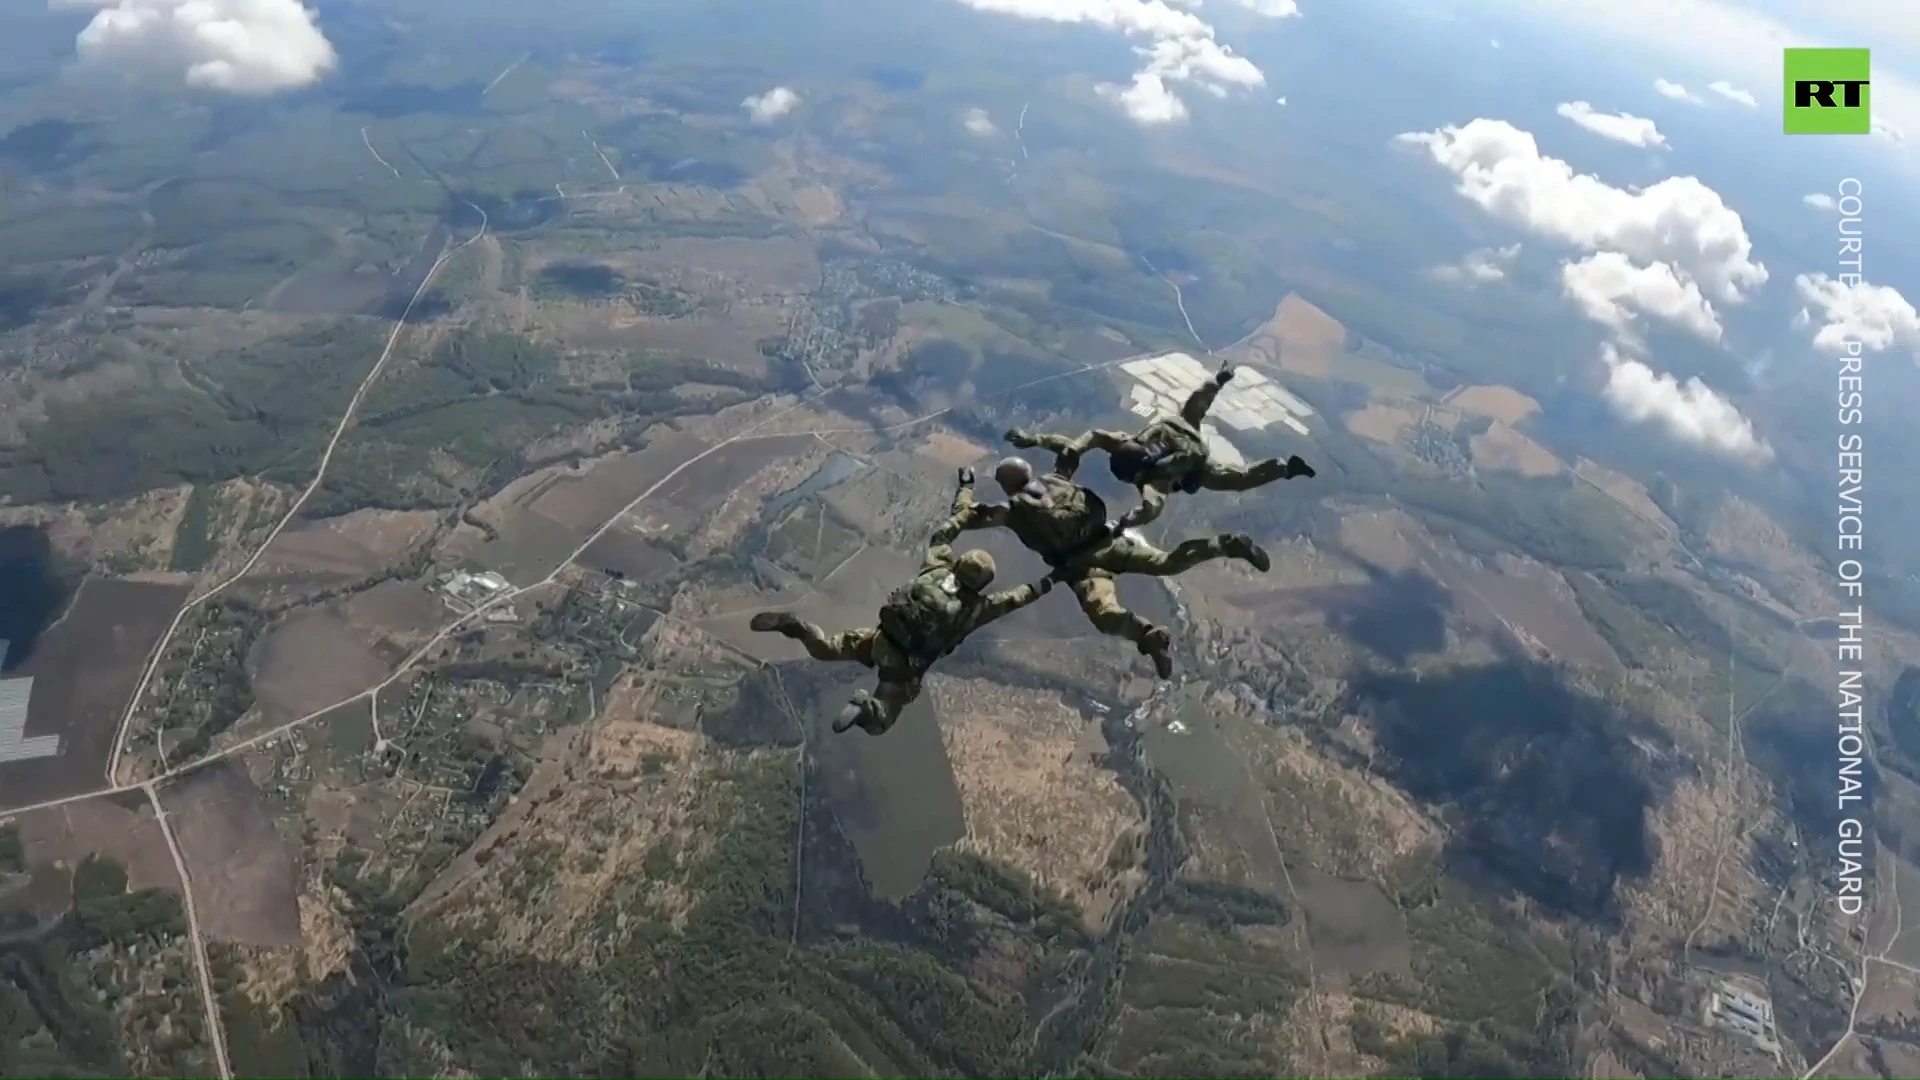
(1242, 547)
(1297, 467)
(860, 711)
(1157, 644)
(785, 623)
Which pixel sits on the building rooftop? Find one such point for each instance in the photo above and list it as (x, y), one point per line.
(1250, 402)
(14, 743)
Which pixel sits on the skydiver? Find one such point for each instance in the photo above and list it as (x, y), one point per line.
(922, 621)
(1168, 455)
(1066, 525)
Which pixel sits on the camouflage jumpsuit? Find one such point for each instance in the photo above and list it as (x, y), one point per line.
(1184, 465)
(1065, 524)
(900, 677)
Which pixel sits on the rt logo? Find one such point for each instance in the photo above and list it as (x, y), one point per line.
(1827, 92)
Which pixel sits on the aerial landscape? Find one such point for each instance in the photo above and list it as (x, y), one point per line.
(406, 406)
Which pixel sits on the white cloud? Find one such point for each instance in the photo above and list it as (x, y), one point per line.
(1820, 200)
(1730, 39)
(1876, 316)
(1146, 99)
(977, 122)
(1885, 130)
(1679, 220)
(1675, 91)
(1182, 50)
(1691, 411)
(770, 106)
(1733, 93)
(1620, 127)
(236, 46)
(1611, 289)
(1479, 267)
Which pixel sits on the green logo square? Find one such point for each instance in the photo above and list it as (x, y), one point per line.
(1827, 92)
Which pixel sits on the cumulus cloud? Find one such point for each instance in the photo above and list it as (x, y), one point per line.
(1479, 267)
(1819, 200)
(1739, 41)
(236, 46)
(1675, 91)
(977, 122)
(1733, 93)
(1620, 127)
(1182, 48)
(1612, 289)
(1679, 221)
(1692, 412)
(1876, 316)
(770, 106)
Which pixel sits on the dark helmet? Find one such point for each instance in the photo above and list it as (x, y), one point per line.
(1129, 462)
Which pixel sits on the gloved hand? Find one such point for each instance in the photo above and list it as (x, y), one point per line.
(966, 476)
(1044, 585)
(1020, 439)
(1225, 374)
(1115, 529)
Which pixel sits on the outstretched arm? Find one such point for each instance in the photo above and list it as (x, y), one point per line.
(1008, 601)
(1152, 502)
(966, 516)
(1201, 400)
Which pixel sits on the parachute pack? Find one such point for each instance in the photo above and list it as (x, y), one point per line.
(920, 616)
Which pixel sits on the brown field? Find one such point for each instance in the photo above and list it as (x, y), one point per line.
(707, 484)
(529, 546)
(1355, 926)
(1535, 597)
(951, 450)
(352, 546)
(732, 342)
(586, 500)
(1502, 403)
(788, 463)
(84, 669)
(776, 266)
(1518, 599)
(1502, 448)
(312, 660)
(1032, 802)
(242, 873)
(1298, 339)
(1627, 491)
(395, 617)
(629, 553)
(121, 828)
(1381, 423)
(1301, 327)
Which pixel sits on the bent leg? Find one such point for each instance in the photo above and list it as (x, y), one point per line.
(878, 711)
(1100, 602)
(1218, 477)
(848, 646)
(1130, 556)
